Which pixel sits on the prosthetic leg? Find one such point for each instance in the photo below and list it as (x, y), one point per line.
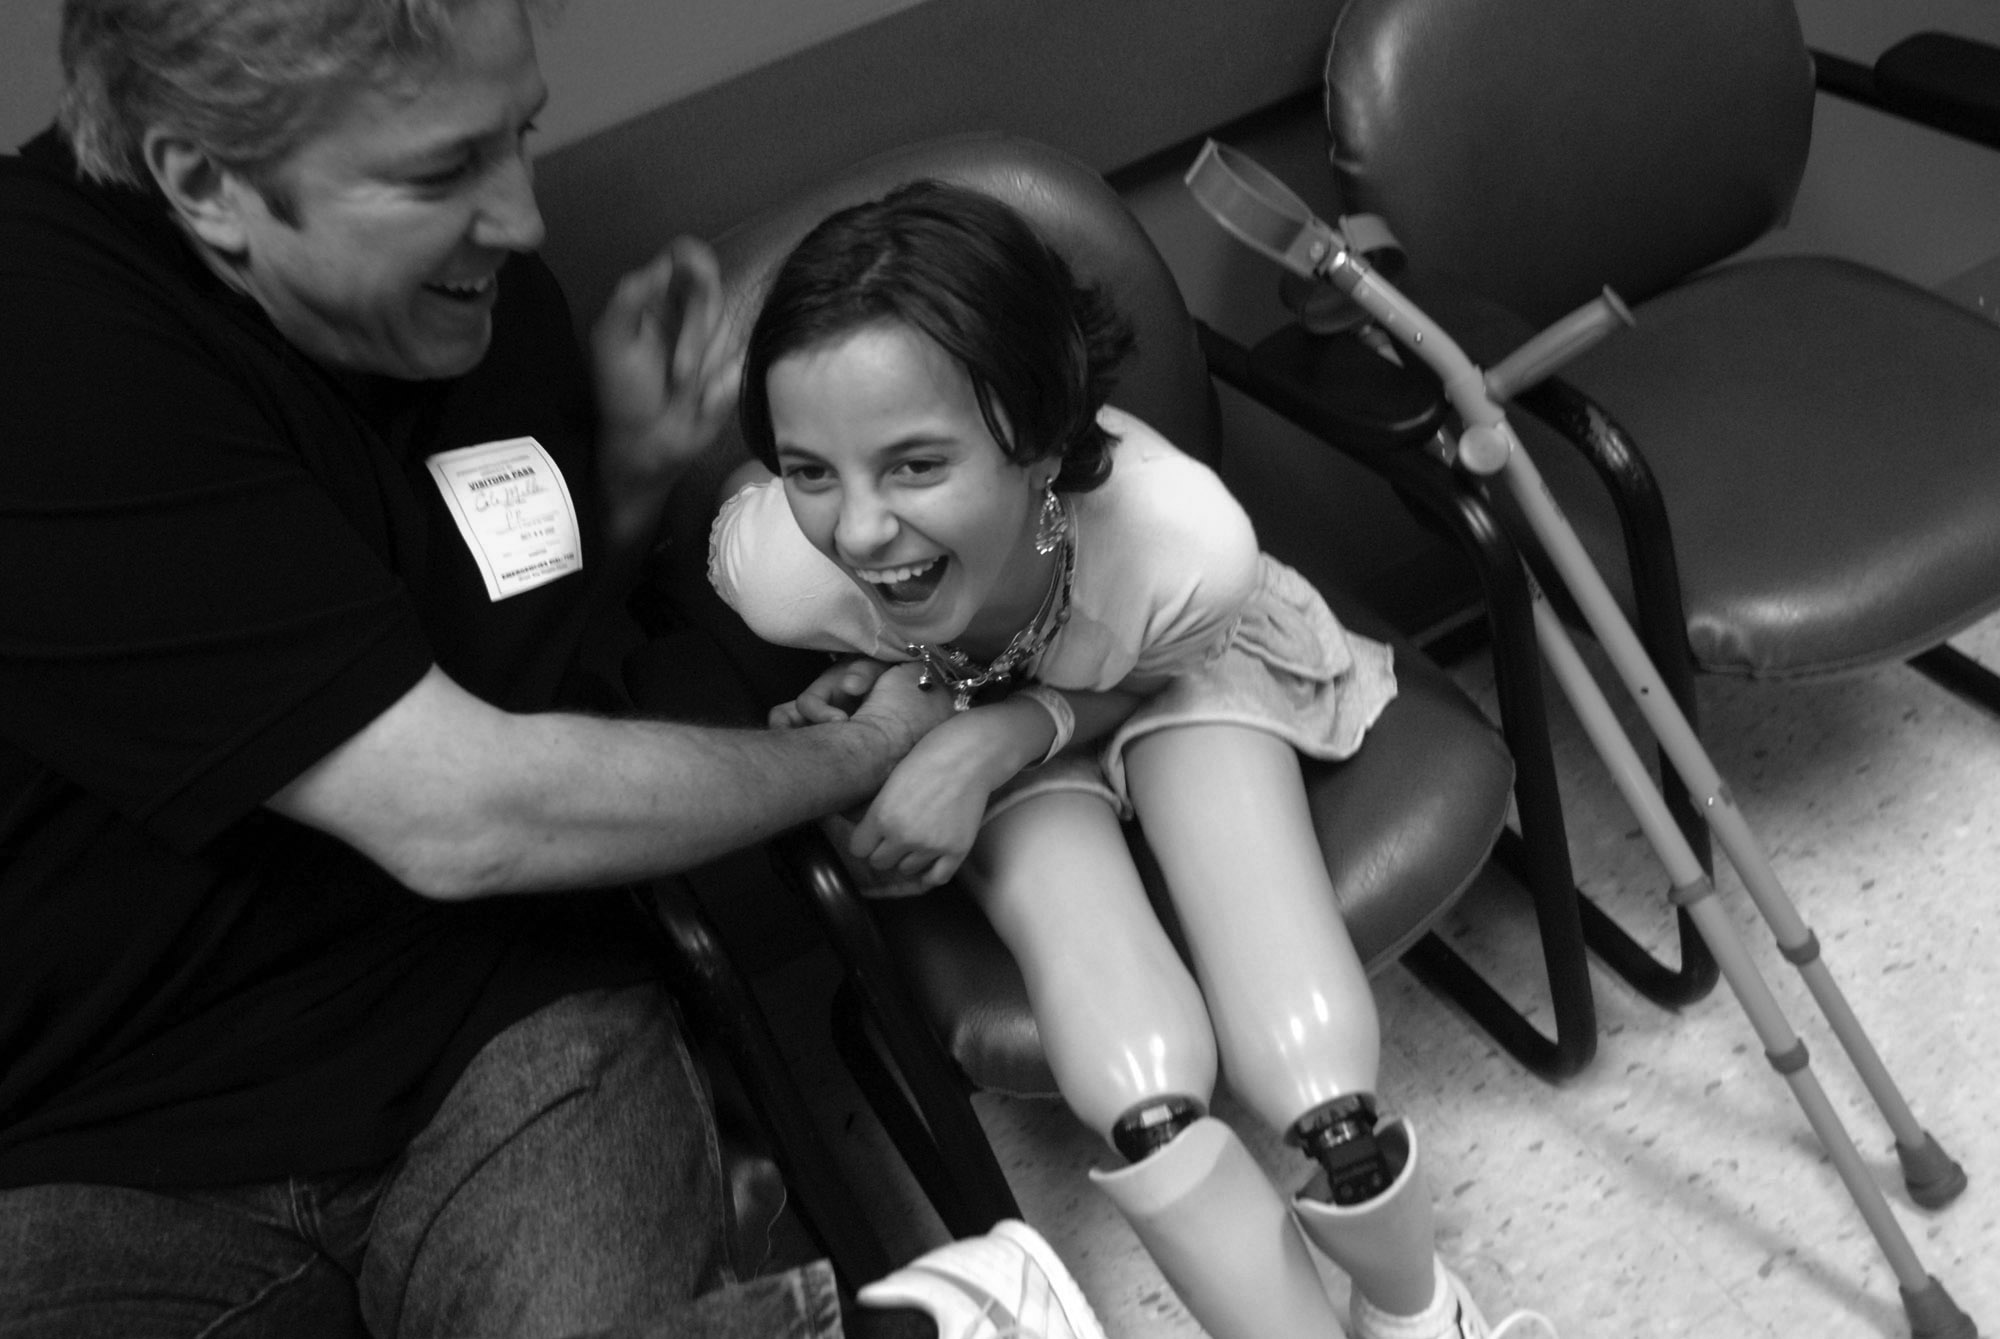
(1261, 212)
(1133, 1042)
(1231, 1248)
(1130, 1041)
(1377, 1240)
(1374, 1239)
(1223, 1236)
(1226, 817)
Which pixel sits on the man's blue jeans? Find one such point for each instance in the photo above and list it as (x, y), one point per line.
(570, 1185)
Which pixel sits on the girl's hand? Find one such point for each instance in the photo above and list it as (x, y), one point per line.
(925, 818)
(830, 697)
(922, 823)
(867, 880)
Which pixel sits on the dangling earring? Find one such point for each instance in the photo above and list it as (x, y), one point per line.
(1053, 523)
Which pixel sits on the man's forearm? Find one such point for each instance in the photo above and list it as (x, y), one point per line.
(625, 799)
(459, 799)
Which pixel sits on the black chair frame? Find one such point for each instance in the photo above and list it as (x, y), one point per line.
(724, 1010)
(918, 1092)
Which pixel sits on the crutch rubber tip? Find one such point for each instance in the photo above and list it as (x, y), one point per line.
(1933, 1315)
(1934, 1180)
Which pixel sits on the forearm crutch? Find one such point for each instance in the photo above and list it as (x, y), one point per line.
(1263, 213)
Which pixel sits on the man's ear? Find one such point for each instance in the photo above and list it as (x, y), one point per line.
(209, 199)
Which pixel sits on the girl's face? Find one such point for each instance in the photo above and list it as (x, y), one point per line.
(891, 472)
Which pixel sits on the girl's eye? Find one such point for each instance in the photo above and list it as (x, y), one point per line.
(806, 476)
(919, 467)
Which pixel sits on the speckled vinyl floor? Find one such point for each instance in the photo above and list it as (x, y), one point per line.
(1674, 1187)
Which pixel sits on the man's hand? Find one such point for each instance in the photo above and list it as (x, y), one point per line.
(666, 374)
(900, 709)
(831, 697)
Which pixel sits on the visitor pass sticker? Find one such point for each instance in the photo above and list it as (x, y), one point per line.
(514, 511)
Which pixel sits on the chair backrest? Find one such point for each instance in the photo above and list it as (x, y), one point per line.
(1165, 382)
(1541, 149)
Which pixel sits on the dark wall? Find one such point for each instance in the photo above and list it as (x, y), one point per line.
(1112, 81)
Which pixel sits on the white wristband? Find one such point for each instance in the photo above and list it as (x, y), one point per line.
(1058, 708)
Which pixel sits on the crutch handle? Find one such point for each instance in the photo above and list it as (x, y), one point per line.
(1566, 339)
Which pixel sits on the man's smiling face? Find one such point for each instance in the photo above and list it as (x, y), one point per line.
(404, 208)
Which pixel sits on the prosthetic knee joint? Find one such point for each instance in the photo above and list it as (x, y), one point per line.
(1221, 1233)
(1340, 1136)
(1151, 1126)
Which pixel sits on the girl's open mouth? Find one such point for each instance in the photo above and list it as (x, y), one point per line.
(910, 585)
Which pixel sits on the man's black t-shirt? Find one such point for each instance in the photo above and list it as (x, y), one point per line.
(218, 562)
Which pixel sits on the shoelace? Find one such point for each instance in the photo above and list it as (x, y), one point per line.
(1007, 1323)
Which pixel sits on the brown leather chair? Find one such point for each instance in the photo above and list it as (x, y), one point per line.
(1821, 433)
(1787, 468)
(932, 1005)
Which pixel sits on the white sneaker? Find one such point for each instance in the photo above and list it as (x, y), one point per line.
(1007, 1284)
(1452, 1314)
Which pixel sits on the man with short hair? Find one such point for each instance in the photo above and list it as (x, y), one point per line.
(307, 505)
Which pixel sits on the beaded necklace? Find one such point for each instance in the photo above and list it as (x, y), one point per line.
(946, 664)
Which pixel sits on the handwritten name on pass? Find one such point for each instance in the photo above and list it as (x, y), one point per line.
(514, 512)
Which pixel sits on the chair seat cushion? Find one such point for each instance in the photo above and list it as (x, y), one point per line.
(1405, 824)
(1827, 441)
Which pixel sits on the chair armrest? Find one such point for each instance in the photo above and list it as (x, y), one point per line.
(1941, 80)
(1382, 407)
(1659, 612)
(807, 861)
(1382, 414)
(706, 979)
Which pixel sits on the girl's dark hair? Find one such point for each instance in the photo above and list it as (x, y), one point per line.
(976, 278)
